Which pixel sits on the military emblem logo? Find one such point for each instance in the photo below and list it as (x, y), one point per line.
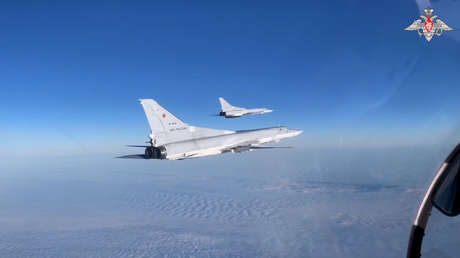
(432, 26)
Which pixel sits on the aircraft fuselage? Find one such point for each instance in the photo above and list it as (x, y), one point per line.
(242, 112)
(214, 145)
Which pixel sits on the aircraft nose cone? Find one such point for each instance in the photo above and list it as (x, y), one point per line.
(293, 132)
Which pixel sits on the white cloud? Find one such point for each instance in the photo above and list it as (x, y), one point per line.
(422, 4)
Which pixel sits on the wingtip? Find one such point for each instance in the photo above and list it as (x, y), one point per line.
(142, 101)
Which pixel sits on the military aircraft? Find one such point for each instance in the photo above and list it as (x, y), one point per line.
(172, 139)
(229, 111)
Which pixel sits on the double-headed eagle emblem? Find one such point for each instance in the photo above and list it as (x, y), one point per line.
(432, 26)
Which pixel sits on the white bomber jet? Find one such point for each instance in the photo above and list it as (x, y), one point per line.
(230, 111)
(173, 139)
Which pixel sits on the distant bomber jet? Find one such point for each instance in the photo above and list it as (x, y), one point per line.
(173, 139)
(230, 111)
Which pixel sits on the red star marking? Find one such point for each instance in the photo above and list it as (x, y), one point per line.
(164, 115)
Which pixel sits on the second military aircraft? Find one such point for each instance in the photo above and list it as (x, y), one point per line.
(229, 111)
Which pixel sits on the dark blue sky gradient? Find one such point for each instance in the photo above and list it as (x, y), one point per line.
(344, 71)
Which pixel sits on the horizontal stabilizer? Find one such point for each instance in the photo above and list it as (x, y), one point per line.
(132, 156)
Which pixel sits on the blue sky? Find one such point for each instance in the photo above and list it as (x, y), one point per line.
(372, 99)
(343, 71)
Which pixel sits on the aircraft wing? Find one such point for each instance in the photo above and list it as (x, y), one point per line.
(250, 146)
(191, 156)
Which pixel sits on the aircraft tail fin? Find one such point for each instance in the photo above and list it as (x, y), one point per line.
(224, 104)
(160, 119)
